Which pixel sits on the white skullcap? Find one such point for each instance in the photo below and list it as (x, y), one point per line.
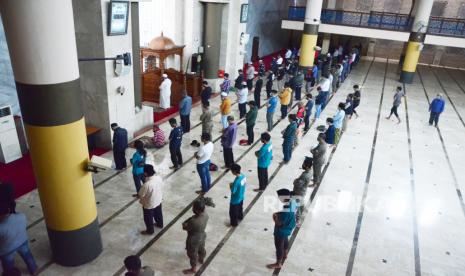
(164, 75)
(224, 94)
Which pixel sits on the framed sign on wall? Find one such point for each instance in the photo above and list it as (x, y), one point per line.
(118, 17)
(244, 13)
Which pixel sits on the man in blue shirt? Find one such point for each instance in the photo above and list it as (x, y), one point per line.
(237, 196)
(14, 239)
(175, 144)
(185, 107)
(284, 224)
(271, 108)
(330, 132)
(436, 108)
(289, 137)
(264, 156)
(308, 111)
(338, 119)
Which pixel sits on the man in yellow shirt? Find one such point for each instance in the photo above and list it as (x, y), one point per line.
(285, 99)
(225, 109)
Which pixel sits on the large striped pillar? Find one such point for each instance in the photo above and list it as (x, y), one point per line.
(416, 39)
(42, 45)
(310, 34)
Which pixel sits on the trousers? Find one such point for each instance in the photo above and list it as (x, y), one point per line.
(186, 123)
(262, 178)
(283, 111)
(236, 213)
(176, 156)
(151, 216)
(282, 246)
(138, 180)
(242, 110)
(228, 157)
(287, 151)
(250, 135)
(204, 173)
(434, 116)
(8, 260)
(269, 120)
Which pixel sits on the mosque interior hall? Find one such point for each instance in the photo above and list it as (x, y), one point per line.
(232, 137)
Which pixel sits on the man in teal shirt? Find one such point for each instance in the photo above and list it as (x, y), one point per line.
(289, 137)
(264, 156)
(237, 196)
(284, 225)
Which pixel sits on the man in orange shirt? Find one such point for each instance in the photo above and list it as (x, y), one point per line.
(225, 109)
(285, 99)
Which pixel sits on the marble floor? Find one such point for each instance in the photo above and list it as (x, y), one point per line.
(390, 202)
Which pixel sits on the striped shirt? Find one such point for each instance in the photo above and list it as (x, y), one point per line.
(158, 138)
(225, 85)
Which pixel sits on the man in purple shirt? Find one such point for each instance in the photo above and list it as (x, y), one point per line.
(227, 141)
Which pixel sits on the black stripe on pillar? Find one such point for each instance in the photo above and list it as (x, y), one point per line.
(50, 104)
(311, 29)
(77, 247)
(417, 37)
(407, 77)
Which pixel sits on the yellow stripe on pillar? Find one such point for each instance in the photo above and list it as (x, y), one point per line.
(59, 155)
(412, 56)
(307, 50)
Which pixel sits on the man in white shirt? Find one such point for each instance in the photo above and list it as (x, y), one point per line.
(250, 76)
(325, 85)
(203, 156)
(242, 95)
(279, 61)
(165, 92)
(150, 197)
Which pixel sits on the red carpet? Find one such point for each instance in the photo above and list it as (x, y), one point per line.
(21, 175)
(158, 116)
(266, 60)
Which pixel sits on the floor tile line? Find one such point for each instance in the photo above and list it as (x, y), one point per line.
(416, 242)
(189, 206)
(127, 205)
(315, 190)
(246, 211)
(37, 221)
(446, 154)
(448, 97)
(353, 251)
(454, 79)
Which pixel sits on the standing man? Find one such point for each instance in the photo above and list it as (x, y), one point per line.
(206, 119)
(271, 109)
(264, 156)
(203, 156)
(325, 85)
(250, 75)
(284, 224)
(225, 109)
(175, 144)
(319, 158)
(237, 196)
(195, 242)
(298, 83)
(120, 144)
(357, 97)
(226, 84)
(330, 132)
(261, 69)
(150, 197)
(269, 83)
(436, 108)
(227, 141)
(165, 92)
(289, 137)
(285, 99)
(250, 119)
(258, 90)
(14, 239)
(206, 92)
(185, 107)
(300, 186)
(308, 111)
(242, 95)
(338, 119)
(239, 80)
(397, 101)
